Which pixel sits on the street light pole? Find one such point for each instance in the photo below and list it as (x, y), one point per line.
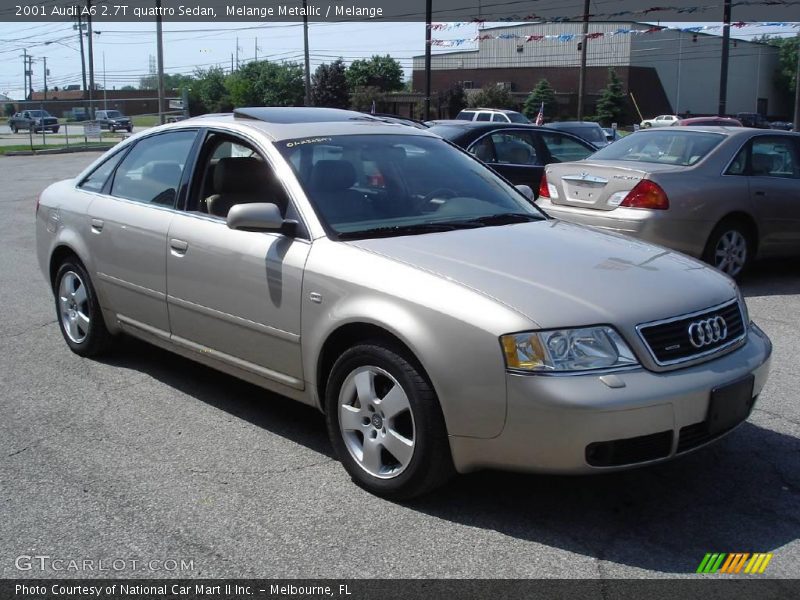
(722, 109)
(582, 73)
(797, 89)
(428, 23)
(160, 60)
(307, 59)
(91, 59)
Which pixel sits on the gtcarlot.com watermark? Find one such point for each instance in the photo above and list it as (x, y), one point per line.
(60, 564)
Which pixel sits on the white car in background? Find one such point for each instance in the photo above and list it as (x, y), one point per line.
(660, 121)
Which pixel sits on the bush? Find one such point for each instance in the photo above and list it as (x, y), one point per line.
(493, 96)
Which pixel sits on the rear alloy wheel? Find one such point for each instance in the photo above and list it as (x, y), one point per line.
(729, 249)
(385, 423)
(14, 129)
(79, 315)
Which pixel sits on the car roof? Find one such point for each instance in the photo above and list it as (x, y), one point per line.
(556, 124)
(730, 131)
(283, 123)
(497, 110)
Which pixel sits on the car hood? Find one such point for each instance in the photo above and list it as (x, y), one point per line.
(559, 274)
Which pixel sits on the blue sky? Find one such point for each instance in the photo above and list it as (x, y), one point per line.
(128, 46)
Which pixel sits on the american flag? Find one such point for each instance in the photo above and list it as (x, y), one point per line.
(540, 116)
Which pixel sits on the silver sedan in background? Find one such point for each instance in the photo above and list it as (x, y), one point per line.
(723, 194)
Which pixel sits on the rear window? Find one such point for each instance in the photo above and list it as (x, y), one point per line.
(683, 148)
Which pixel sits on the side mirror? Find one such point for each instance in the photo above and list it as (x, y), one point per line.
(258, 216)
(526, 191)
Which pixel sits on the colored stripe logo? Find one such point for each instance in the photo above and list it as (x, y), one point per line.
(733, 563)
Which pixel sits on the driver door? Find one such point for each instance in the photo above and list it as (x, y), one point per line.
(236, 295)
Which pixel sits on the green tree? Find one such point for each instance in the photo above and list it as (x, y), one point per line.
(127, 88)
(171, 82)
(454, 100)
(785, 76)
(264, 83)
(611, 105)
(382, 72)
(329, 85)
(543, 92)
(493, 95)
(362, 98)
(209, 91)
(8, 109)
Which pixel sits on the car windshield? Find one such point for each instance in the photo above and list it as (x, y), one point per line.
(517, 117)
(385, 185)
(664, 147)
(39, 113)
(590, 134)
(113, 114)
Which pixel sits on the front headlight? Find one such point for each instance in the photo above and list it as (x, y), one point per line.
(584, 349)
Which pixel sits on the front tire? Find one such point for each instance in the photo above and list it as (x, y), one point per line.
(730, 248)
(78, 311)
(385, 423)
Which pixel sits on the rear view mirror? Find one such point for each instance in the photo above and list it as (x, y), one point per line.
(526, 191)
(257, 216)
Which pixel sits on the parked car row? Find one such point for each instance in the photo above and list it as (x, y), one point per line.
(440, 320)
(40, 120)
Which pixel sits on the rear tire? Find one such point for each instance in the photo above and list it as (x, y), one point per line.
(14, 129)
(730, 247)
(78, 311)
(385, 422)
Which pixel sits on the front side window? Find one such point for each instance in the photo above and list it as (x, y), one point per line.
(152, 170)
(775, 157)
(514, 148)
(670, 147)
(563, 148)
(381, 185)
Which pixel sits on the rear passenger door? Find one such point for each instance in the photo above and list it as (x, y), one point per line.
(775, 191)
(514, 153)
(128, 220)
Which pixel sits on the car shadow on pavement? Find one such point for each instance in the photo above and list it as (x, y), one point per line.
(779, 277)
(275, 413)
(739, 495)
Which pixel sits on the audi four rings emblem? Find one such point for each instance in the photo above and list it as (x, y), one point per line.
(708, 331)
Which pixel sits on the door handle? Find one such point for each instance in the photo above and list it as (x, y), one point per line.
(97, 225)
(179, 247)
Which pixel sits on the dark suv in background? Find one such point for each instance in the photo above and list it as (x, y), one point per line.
(113, 120)
(33, 120)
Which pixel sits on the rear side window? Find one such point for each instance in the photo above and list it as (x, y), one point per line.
(97, 178)
(152, 171)
(483, 116)
(563, 148)
(775, 157)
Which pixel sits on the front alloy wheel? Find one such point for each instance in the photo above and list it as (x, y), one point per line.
(385, 422)
(376, 422)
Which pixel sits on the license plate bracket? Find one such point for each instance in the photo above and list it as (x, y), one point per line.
(730, 405)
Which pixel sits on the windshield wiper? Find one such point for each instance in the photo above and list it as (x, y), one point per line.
(502, 219)
(394, 230)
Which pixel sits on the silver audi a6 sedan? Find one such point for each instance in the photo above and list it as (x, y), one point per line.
(723, 194)
(440, 321)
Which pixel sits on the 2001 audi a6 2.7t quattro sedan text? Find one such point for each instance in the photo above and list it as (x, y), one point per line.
(441, 321)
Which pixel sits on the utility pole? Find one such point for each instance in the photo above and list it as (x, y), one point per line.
(44, 73)
(256, 49)
(160, 59)
(237, 53)
(83, 58)
(797, 89)
(105, 89)
(30, 76)
(91, 59)
(722, 110)
(582, 74)
(307, 100)
(24, 72)
(428, 23)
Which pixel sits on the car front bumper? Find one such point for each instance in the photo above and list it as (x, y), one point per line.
(655, 226)
(552, 420)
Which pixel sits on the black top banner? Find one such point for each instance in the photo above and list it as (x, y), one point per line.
(269, 11)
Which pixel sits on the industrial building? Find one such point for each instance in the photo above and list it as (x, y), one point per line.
(667, 71)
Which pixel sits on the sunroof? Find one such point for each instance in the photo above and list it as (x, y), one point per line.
(287, 115)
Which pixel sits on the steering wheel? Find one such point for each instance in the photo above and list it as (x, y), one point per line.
(437, 194)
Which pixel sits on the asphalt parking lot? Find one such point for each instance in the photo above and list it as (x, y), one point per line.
(148, 456)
